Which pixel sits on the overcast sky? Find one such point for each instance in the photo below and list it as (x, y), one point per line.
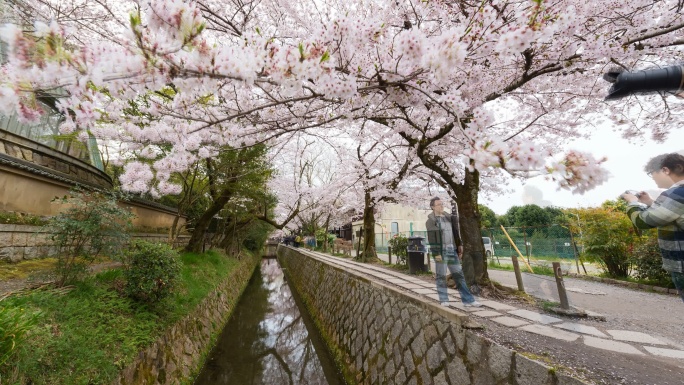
(625, 162)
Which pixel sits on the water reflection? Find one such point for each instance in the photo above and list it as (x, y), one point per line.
(267, 340)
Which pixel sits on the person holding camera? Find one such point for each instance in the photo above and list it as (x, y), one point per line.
(666, 213)
(445, 243)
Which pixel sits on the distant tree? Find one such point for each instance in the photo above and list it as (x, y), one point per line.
(556, 215)
(532, 215)
(508, 219)
(488, 217)
(615, 205)
(234, 175)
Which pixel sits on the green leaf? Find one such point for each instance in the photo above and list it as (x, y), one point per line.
(135, 20)
(325, 57)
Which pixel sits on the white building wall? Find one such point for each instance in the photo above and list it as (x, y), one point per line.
(409, 219)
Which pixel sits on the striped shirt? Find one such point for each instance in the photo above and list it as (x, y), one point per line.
(667, 214)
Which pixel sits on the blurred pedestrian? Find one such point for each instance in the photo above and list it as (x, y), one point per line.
(446, 248)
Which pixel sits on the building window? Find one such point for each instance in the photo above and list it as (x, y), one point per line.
(394, 228)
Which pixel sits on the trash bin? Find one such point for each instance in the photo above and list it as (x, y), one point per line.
(416, 255)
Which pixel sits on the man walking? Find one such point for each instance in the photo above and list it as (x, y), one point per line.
(446, 247)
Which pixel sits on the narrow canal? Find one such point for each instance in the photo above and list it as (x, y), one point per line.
(268, 340)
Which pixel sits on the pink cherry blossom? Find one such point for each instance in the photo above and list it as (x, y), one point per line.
(495, 86)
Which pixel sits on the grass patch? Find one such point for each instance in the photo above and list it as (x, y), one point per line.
(86, 335)
(495, 266)
(340, 255)
(651, 282)
(536, 269)
(12, 218)
(544, 357)
(548, 305)
(23, 269)
(27, 269)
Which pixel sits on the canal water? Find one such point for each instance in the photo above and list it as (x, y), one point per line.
(268, 340)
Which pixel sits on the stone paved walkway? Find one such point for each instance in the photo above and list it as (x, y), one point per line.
(626, 342)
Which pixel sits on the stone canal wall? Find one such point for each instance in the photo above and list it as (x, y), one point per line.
(181, 351)
(24, 242)
(381, 335)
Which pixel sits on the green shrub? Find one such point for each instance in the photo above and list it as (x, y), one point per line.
(14, 324)
(399, 245)
(649, 262)
(322, 237)
(91, 225)
(151, 271)
(608, 236)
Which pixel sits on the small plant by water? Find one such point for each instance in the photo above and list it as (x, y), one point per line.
(92, 224)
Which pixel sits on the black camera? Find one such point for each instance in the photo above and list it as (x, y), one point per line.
(633, 192)
(625, 83)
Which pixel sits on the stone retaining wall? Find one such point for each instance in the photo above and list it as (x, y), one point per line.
(25, 242)
(382, 335)
(181, 351)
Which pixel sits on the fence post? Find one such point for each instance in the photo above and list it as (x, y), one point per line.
(518, 275)
(562, 294)
(389, 254)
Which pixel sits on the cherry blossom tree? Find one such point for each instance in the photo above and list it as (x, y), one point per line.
(381, 168)
(468, 88)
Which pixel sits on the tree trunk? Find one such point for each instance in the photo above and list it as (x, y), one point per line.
(229, 235)
(314, 226)
(325, 239)
(368, 251)
(474, 260)
(197, 238)
(173, 231)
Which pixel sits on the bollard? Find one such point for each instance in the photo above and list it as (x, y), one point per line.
(389, 254)
(518, 275)
(562, 294)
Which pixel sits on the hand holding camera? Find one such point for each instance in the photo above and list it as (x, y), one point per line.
(632, 196)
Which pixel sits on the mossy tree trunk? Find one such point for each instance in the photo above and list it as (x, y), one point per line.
(368, 249)
(474, 260)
